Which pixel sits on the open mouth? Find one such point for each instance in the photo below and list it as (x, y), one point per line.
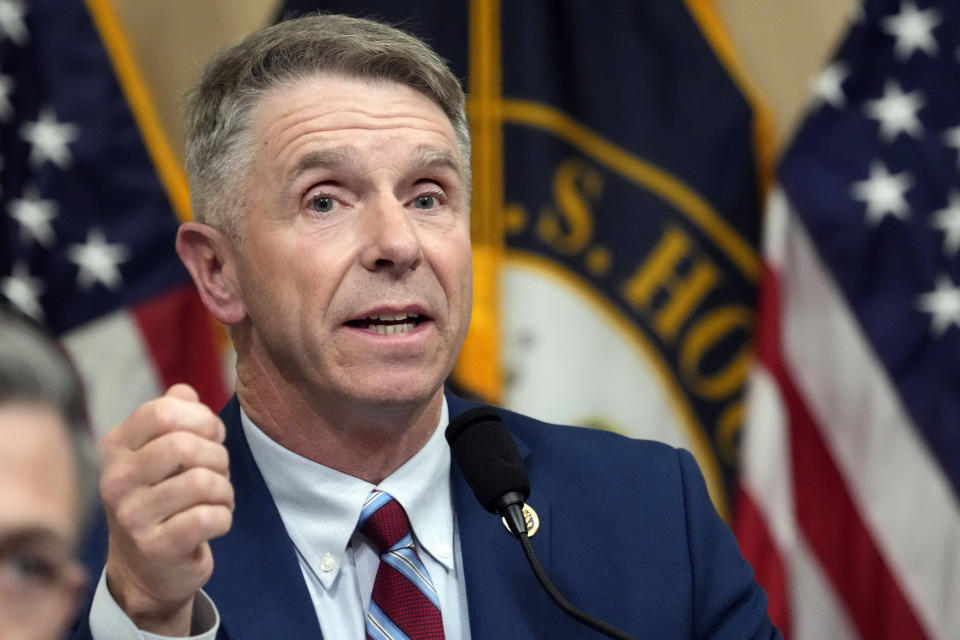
(389, 323)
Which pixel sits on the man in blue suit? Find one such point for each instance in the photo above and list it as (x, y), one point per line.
(329, 167)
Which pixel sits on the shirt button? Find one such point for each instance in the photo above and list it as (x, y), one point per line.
(444, 551)
(327, 563)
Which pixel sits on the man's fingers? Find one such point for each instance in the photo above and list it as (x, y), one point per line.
(173, 453)
(146, 509)
(183, 492)
(166, 489)
(183, 391)
(161, 458)
(182, 534)
(161, 416)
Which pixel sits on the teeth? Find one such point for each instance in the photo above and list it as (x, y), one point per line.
(384, 329)
(389, 323)
(390, 316)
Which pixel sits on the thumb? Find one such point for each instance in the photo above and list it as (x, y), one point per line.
(182, 391)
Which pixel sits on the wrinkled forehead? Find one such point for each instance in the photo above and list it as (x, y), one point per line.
(331, 101)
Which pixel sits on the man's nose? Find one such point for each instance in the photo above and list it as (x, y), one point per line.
(393, 242)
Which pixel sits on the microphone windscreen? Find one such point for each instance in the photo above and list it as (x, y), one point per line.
(487, 456)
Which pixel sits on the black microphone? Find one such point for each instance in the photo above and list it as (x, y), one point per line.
(489, 460)
(491, 465)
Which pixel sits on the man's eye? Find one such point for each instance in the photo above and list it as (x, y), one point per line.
(23, 567)
(322, 204)
(425, 201)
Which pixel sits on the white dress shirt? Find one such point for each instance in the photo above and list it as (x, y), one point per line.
(320, 508)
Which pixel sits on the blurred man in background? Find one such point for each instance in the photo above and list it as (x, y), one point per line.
(47, 479)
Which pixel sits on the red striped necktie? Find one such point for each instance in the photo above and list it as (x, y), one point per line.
(404, 604)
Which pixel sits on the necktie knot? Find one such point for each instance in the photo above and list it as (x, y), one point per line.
(384, 522)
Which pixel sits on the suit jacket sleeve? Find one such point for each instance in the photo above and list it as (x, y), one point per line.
(727, 602)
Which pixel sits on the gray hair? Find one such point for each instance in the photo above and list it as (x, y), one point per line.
(219, 149)
(33, 369)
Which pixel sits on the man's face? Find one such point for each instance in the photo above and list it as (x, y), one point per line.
(39, 580)
(354, 265)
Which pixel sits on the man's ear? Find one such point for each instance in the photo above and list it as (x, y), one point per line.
(209, 257)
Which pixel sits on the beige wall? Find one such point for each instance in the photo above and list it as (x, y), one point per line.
(172, 38)
(781, 44)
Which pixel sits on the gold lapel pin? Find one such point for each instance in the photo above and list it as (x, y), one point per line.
(530, 517)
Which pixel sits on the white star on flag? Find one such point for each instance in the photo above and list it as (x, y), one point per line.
(34, 215)
(6, 87)
(885, 194)
(913, 29)
(943, 304)
(98, 261)
(23, 291)
(49, 138)
(948, 221)
(11, 21)
(897, 112)
(826, 86)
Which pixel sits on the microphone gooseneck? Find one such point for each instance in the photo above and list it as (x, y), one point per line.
(491, 465)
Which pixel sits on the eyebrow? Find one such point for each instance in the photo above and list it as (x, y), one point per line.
(323, 159)
(427, 157)
(18, 537)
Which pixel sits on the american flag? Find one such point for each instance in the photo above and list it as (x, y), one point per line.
(86, 226)
(850, 505)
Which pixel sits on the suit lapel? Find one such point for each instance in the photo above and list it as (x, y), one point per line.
(256, 563)
(257, 582)
(504, 598)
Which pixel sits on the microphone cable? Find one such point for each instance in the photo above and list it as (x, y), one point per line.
(578, 614)
(491, 465)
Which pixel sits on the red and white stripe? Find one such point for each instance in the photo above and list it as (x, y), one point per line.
(132, 355)
(847, 518)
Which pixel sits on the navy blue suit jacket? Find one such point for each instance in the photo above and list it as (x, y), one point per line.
(627, 533)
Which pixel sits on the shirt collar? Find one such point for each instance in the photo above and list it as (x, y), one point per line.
(320, 506)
